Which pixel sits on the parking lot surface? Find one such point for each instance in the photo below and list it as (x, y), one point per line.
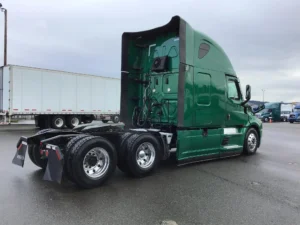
(259, 189)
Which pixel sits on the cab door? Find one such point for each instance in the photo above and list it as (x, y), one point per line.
(234, 116)
(232, 140)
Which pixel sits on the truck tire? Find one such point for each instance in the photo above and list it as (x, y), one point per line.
(69, 157)
(284, 119)
(94, 160)
(251, 142)
(143, 154)
(73, 121)
(58, 122)
(69, 146)
(116, 118)
(122, 153)
(34, 153)
(266, 119)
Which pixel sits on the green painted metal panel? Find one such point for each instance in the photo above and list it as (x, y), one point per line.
(140, 59)
(202, 103)
(216, 64)
(193, 143)
(199, 93)
(235, 140)
(181, 83)
(202, 89)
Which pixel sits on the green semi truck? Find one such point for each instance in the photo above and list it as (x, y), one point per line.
(275, 111)
(179, 93)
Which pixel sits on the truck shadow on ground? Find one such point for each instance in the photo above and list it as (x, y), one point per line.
(167, 167)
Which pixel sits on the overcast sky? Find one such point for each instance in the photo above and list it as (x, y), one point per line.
(262, 38)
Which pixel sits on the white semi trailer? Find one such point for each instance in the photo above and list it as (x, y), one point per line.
(56, 98)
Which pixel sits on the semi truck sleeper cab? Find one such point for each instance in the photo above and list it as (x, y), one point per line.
(179, 91)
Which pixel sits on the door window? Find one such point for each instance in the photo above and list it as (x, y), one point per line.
(233, 92)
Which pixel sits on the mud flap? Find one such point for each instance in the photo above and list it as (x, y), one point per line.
(19, 158)
(54, 169)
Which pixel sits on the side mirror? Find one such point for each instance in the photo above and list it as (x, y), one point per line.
(248, 92)
(248, 95)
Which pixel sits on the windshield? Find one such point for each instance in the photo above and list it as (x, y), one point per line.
(297, 110)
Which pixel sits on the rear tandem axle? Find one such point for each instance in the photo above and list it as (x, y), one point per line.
(89, 158)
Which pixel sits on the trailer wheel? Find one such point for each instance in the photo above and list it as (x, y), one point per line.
(67, 164)
(251, 142)
(73, 121)
(58, 122)
(122, 153)
(34, 153)
(116, 119)
(94, 161)
(143, 154)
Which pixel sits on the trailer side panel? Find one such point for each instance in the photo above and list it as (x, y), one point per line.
(40, 91)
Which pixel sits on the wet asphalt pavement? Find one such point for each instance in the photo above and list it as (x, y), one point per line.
(260, 189)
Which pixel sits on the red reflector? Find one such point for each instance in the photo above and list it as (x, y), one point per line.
(57, 154)
(20, 147)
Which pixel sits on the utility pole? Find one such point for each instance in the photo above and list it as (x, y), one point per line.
(263, 90)
(5, 33)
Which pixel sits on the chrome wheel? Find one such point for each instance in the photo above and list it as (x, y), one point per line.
(75, 121)
(59, 122)
(145, 155)
(252, 142)
(116, 119)
(96, 163)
